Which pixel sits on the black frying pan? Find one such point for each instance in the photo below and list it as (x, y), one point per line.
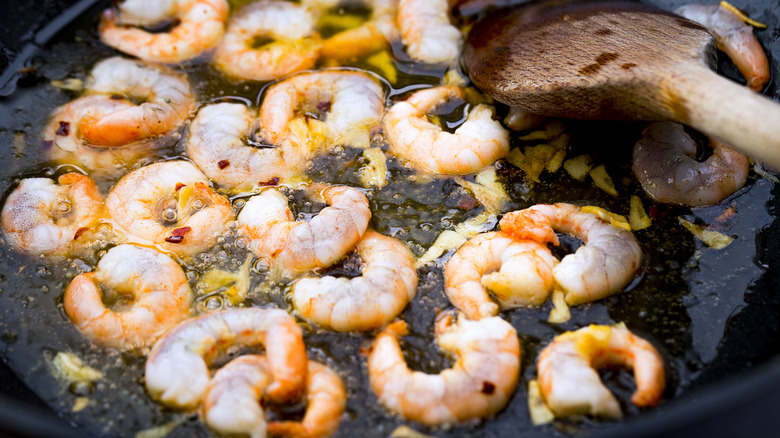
(736, 394)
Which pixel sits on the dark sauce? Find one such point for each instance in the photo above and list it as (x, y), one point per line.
(690, 301)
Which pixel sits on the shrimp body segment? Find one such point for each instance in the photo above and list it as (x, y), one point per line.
(478, 385)
(664, 163)
(295, 44)
(735, 38)
(351, 103)
(149, 290)
(303, 245)
(427, 33)
(200, 25)
(387, 284)
(217, 144)
(177, 371)
(476, 143)
(169, 204)
(571, 385)
(516, 272)
(606, 262)
(44, 217)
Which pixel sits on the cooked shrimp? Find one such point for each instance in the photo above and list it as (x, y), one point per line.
(371, 36)
(326, 399)
(44, 217)
(220, 144)
(177, 368)
(427, 33)
(167, 102)
(735, 38)
(516, 272)
(199, 26)
(606, 262)
(294, 44)
(134, 295)
(349, 103)
(388, 282)
(478, 385)
(476, 143)
(171, 205)
(570, 383)
(300, 245)
(233, 400)
(666, 166)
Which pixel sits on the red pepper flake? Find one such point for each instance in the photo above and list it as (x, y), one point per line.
(47, 144)
(64, 129)
(488, 388)
(177, 236)
(271, 182)
(223, 164)
(467, 203)
(324, 106)
(117, 97)
(180, 186)
(79, 232)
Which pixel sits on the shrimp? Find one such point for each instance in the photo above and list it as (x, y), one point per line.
(199, 26)
(299, 245)
(387, 284)
(171, 205)
(349, 103)
(664, 162)
(570, 384)
(177, 372)
(478, 385)
(476, 143)
(44, 217)
(294, 45)
(517, 272)
(134, 295)
(373, 35)
(735, 38)
(232, 401)
(427, 33)
(606, 262)
(220, 144)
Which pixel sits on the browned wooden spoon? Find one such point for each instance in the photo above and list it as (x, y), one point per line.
(607, 59)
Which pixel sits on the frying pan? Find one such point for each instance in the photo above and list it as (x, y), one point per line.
(736, 391)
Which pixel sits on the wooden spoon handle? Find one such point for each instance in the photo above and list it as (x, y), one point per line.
(721, 108)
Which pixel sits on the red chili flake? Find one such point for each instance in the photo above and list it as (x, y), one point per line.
(488, 388)
(659, 211)
(467, 203)
(271, 182)
(177, 235)
(179, 186)
(223, 164)
(46, 145)
(79, 232)
(117, 97)
(64, 129)
(324, 106)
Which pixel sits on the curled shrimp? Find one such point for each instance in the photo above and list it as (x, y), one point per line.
(571, 385)
(169, 204)
(664, 162)
(148, 294)
(199, 26)
(177, 372)
(371, 36)
(232, 401)
(735, 38)
(303, 245)
(294, 45)
(220, 144)
(516, 272)
(427, 33)
(478, 385)
(349, 103)
(605, 264)
(476, 143)
(388, 282)
(44, 217)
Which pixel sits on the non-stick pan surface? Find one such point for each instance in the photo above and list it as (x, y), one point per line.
(735, 391)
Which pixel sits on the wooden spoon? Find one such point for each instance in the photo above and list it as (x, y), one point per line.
(617, 60)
